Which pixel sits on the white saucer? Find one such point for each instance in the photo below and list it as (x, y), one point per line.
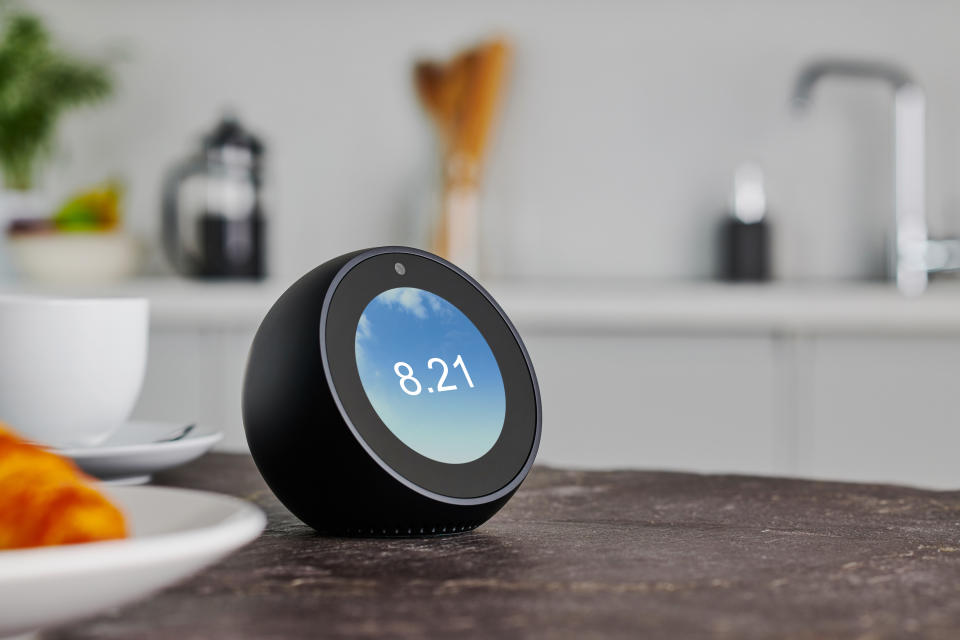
(132, 454)
(175, 533)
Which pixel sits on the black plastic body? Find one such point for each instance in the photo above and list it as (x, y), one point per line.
(745, 249)
(304, 449)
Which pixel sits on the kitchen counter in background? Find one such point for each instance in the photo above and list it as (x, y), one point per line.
(850, 381)
(702, 307)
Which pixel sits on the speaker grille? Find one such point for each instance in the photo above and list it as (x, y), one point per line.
(401, 531)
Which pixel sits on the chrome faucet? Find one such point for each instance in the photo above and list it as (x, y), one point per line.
(913, 255)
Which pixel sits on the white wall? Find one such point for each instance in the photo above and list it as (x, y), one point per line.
(624, 122)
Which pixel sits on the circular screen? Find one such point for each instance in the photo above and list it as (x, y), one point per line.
(398, 322)
(430, 375)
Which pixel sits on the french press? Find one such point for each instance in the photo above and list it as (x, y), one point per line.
(213, 222)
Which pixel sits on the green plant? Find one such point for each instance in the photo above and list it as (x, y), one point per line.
(38, 83)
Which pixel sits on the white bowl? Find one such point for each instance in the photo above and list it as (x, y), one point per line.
(70, 369)
(174, 534)
(75, 258)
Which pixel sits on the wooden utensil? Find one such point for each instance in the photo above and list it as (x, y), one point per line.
(462, 97)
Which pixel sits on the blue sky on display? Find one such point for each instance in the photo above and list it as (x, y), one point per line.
(412, 326)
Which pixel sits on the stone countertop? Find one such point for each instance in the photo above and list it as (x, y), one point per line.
(576, 554)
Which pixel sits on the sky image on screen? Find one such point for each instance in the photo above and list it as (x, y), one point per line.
(413, 326)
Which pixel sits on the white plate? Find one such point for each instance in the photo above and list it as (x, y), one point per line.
(175, 533)
(132, 454)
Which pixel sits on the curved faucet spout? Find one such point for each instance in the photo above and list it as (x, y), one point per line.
(847, 68)
(909, 265)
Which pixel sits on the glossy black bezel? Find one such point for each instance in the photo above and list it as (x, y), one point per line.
(495, 473)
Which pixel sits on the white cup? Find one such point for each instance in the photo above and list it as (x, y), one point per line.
(70, 369)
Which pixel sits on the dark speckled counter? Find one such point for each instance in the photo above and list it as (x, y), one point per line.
(581, 555)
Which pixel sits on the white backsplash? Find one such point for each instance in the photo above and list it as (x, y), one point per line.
(624, 123)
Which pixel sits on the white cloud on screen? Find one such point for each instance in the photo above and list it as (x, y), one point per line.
(363, 327)
(360, 354)
(408, 299)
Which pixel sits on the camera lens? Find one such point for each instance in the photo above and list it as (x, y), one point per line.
(399, 268)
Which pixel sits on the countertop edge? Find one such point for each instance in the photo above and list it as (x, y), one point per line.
(592, 307)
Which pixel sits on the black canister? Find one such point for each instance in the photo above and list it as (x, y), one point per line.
(746, 251)
(745, 234)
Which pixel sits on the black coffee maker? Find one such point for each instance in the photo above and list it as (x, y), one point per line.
(213, 223)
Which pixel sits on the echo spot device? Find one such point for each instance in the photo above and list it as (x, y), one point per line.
(387, 394)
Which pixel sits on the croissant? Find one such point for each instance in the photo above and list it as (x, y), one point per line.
(47, 500)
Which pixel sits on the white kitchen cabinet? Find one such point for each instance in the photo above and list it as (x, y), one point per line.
(177, 385)
(196, 376)
(883, 409)
(658, 401)
(852, 383)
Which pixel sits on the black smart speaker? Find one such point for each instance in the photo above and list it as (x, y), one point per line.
(387, 394)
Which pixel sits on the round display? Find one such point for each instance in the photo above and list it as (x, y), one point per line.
(430, 375)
